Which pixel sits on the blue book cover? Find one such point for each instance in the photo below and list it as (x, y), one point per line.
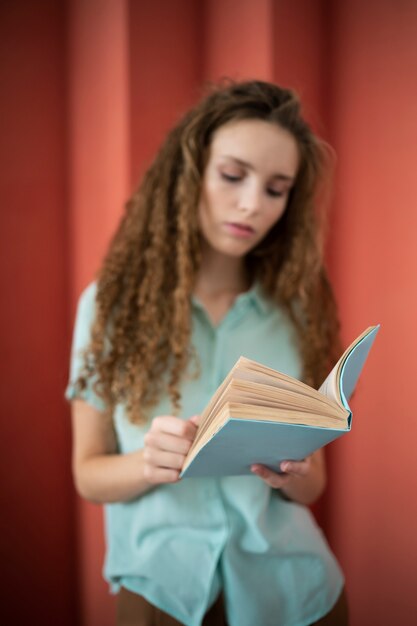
(259, 415)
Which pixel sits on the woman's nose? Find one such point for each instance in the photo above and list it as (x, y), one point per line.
(250, 199)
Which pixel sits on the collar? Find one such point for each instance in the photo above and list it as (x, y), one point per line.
(255, 295)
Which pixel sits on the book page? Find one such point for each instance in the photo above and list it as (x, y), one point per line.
(253, 371)
(340, 383)
(267, 395)
(329, 387)
(237, 410)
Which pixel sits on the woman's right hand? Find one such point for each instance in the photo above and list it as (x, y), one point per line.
(166, 445)
(104, 475)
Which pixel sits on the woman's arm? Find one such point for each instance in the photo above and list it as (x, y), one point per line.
(303, 481)
(101, 474)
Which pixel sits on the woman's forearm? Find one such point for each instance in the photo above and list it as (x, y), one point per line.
(101, 474)
(111, 477)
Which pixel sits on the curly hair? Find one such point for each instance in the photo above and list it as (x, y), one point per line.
(140, 343)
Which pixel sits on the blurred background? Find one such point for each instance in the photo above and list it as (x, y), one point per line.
(88, 88)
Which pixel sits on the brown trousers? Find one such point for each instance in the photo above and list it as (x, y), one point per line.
(134, 610)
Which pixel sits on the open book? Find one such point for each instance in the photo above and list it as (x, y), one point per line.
(259, 415)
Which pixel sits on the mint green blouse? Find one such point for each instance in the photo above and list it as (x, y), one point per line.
(180, 544)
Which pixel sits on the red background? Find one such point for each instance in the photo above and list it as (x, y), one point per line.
(88, 89)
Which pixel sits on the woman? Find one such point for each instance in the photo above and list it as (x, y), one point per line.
(217, 255)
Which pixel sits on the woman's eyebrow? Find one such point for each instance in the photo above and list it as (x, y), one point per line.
(249, 166)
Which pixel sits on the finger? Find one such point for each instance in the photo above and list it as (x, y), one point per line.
(274, 480)
(174, 426)
(159, 475)
(296, 468)
(195, 419)
(162, 459)
(167, 442)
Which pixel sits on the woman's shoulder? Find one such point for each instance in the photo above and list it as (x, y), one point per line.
(88, 294)
(87, 302)
(87, 297)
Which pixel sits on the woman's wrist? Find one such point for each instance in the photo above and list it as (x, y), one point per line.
(111, 478)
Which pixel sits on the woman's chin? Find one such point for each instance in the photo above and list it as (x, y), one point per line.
(234, 249)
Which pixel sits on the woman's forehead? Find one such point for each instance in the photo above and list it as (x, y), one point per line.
(256, 143)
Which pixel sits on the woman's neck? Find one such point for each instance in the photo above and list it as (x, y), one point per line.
(220, 274)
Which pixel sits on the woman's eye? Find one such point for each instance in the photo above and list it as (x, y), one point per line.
(274, 193)
(231, 178)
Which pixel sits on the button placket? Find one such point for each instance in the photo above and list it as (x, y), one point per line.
(216, 378)
(226, 327)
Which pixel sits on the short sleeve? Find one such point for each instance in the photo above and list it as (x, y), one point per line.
(81, 338)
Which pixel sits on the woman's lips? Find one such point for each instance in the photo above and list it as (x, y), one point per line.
(239, 230)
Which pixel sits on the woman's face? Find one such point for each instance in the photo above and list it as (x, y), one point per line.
(251, 167)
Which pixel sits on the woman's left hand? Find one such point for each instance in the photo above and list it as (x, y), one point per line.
(289, 469)
(301, 481)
